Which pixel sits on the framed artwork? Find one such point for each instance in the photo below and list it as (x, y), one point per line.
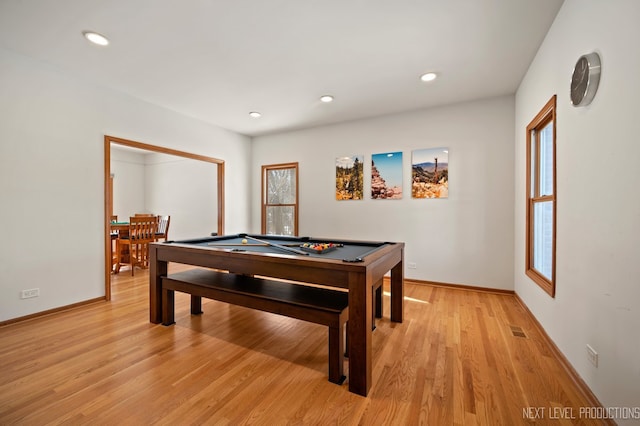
(430, 173)
(349, 178)
(386, 176)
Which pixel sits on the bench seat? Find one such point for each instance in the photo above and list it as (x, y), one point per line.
(313, 304)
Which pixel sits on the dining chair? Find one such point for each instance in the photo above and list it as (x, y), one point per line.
(114, 237)
(163, 227)
(142, 231)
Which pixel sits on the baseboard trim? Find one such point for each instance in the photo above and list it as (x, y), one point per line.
(580, 384)
(51, 311)
(455, 286)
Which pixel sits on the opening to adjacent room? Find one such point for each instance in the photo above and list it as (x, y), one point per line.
(147, 179)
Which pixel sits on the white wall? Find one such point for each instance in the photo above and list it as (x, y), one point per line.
(185, 189)
(51, 177)
(128, 170)
(598, 210)
(465, 239)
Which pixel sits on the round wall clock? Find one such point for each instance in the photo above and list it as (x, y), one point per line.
(585, 79)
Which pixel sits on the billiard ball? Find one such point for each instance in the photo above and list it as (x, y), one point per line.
(244, 241)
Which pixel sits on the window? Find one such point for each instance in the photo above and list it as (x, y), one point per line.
(280, 199)
(541, 198)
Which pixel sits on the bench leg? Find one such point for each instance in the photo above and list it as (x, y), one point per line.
(336, 354)
(376, 312)
(196, 305)
(378, 302)
(168, 307)
(346, 339)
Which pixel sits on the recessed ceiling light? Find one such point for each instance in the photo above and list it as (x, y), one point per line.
(95, 38)
(255, 114)
(326, 98)
(430, 76)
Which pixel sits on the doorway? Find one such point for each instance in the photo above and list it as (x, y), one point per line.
(110, 141)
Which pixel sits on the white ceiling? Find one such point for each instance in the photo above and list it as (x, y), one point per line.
(217, 60)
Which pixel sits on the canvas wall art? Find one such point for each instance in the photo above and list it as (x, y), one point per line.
(386, 176)
(349, 178)
(430, 173)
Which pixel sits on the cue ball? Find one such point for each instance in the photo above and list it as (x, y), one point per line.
(244, 241)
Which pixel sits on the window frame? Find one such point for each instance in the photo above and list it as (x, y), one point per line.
(546, 116)
(265, 170)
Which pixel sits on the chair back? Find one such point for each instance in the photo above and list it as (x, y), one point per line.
(163, 227)
(142, 228)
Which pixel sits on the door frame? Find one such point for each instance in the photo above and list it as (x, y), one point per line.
(108, 208)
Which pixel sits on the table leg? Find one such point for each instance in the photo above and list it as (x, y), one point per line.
(359, 330)
(156, 271)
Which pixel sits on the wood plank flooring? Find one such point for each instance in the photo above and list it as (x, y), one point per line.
(460, 358)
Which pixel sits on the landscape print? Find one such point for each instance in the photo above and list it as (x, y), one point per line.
(386, 176)
(430, 173)
(349, 178)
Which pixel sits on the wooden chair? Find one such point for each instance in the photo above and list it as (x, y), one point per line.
(163, 227)
(142, 231)
(114, 238)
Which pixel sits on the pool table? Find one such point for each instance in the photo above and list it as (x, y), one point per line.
(353, 265)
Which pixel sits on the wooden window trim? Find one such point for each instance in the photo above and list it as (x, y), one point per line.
(546, 115)
(296, 206)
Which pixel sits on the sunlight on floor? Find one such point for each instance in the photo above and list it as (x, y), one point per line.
(410, 299)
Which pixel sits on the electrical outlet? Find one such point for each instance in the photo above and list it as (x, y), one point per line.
(592, 355)
(27, 294)
(411, 265)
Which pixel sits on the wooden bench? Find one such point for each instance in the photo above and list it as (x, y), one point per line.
(313, 304)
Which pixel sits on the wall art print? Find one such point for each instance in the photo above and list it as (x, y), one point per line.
(349, 178)
(386, 176)
(430, 173)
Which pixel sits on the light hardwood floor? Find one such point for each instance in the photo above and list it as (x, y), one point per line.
(460, 358)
